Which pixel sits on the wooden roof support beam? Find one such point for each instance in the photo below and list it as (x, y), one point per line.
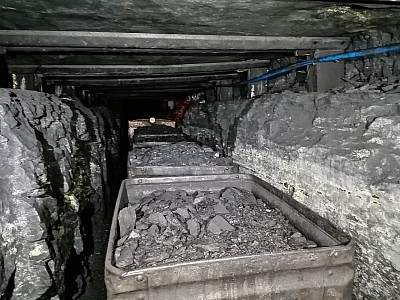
(118, 40)
(24, 50)
(37, 50)
(143, 97)
(116, 82)
(136, 70)
(150, 91)
(175, 87)
(159, 94)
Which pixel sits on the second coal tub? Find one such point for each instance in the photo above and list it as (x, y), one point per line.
(176, 159)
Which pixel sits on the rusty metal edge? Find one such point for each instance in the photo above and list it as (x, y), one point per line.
(181, 170)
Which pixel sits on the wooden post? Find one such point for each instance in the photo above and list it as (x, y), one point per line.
(257, 88)
(325, 76)
(5, 78)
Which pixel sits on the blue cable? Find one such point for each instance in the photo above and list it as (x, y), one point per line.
(337, 57)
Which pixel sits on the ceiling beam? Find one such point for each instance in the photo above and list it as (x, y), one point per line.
(128, 51)
(136, 70)
(146, 96)
(134, 58)
(118, 40)
(154, 90)
(116, 82)
(158, 88)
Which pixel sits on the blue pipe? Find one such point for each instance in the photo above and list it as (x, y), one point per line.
(337, 57)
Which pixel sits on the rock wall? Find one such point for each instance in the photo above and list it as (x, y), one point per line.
(58, 159)
(337, 153)
(371, 69)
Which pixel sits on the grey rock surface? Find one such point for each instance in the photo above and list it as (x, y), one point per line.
(52, 161)
(371, 70)
(245, 228)
(242, 17)
(338, 153)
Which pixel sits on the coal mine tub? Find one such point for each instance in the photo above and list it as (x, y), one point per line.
(325, 272)
(178, 170)
(155, 143)
(159, 137)
(157, 133)
(135, 171)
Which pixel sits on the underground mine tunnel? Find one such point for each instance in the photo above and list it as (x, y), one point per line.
(199, 150)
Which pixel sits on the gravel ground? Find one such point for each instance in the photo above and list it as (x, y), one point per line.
(172, 227)
(176, 154)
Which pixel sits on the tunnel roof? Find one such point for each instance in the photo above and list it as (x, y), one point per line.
(131, 46)
(226, 17)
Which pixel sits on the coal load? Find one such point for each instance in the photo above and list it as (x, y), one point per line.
(176, 154)
(175, 226)
(158, 133)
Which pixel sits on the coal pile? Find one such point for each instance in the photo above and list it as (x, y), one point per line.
(158, 133)
(175, 226)
(176, 154)
(155, 129)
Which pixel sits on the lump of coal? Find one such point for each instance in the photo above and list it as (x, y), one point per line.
(126, 220)
(158, 219)
(183, 212)
(154, 230)
(174, 222)
(220, 209)
(199, 199)
(232, 194)
(193, 227)
(218, 225)
(124, 254)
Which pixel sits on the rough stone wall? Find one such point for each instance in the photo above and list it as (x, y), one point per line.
(375, 68)
(337, 153)
(57, 159)
(206, 124)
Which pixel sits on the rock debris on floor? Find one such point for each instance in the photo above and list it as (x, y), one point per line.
(177, 154)
(175, 226)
